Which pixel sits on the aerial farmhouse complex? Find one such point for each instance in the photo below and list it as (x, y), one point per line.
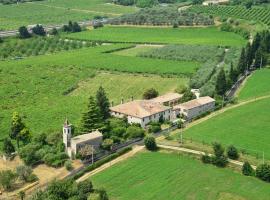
(73, 145)
(166, 107)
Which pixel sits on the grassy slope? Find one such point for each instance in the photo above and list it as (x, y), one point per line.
(162, 176)
(211, 35)
(37, 93)
(246, 127)
(94, 58)
(56, 12)
(136, 50)
(257, 85)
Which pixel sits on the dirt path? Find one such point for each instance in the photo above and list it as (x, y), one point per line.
(224, 110)
(186, 150)
(113, 162)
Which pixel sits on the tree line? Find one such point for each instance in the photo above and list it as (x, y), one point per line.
(144, 3)
(253, 56)
(163, 16)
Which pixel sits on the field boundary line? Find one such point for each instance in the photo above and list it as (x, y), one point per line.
(191, 151)
(135, 150)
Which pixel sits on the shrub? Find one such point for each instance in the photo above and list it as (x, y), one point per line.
(24, 172)
(7, 179)
(68, 165)
(263, 172)
(206, 159)
(150, 93)
(39, 30)
(106, 144)
(218, 149)
(220, 161)
(232, 152)
(134, 132)
(8, 147)
(247, 170)
(150, 143)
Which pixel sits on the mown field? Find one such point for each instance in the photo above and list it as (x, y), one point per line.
(162, 176)
(57, 12)
(46, 94)
(247, 127)
(96, 58)
(209, 36)
(256, 86)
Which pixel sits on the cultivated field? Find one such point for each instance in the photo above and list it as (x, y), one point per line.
(247, 127)
(57, 12)
(210, 35)
(256, 86)
(46, 94)
(258, 14)
(171, 176)
(96, 58)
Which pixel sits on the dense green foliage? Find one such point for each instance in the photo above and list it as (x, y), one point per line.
(263, 172)
(103, 103)
(44, 148)
(16, 49)
(232, 152)
(163, 16)
(69, 189)
(255, 14)
(7, 179)
(247, 170)
(8, 147)
(150, 143)
(150, 93)
(176, 171)
(206, 36)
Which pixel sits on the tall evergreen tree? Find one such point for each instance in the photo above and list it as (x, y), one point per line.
(103, 103)
(242, 62)
(256, 43)
(91, 119)
(260, 58)
(16, 127)
(233, 74)
(249, 55)
(221, 84)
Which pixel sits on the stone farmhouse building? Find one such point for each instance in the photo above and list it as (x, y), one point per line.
(169, 99)
(194, 108)
(141, 112)
(73, 145)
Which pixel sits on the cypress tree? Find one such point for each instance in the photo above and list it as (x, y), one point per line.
(249, 56)
(242, 62)
(233, 74)
(256, 43)
(221, 84)
(103, 103)
(91, 119)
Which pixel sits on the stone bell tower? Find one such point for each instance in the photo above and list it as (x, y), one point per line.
(67, 133)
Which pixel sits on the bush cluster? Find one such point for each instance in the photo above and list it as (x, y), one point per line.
(44, 149)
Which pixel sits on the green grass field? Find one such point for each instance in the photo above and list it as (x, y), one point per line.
(57, 12)
(247, 127)
(40, 93)
(209, 36)
(94, 57)
(256, 86)
(136, 51)
(162, 176)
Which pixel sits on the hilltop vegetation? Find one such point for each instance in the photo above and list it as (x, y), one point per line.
(172, 180)
(206, 36)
